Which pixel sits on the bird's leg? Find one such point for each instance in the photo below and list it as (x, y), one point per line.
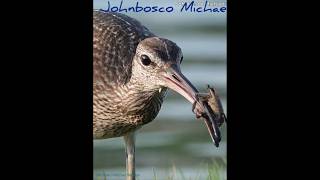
(129, 140)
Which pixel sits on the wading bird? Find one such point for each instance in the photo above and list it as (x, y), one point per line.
(132, 69)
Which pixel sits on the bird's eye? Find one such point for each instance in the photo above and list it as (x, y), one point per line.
(181, 59)
(145, 60)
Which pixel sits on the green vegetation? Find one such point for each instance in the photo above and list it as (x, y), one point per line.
(215, 171)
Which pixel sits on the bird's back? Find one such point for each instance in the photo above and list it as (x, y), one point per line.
(115, 38)
(116, 108)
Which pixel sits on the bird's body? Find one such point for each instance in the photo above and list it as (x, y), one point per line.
(127, 110)
(121, 103)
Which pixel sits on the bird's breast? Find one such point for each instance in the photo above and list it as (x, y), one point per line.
(121, 112)
(145, 107)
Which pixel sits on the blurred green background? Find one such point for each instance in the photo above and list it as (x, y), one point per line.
(175, 145)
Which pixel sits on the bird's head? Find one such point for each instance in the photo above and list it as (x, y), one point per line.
(157, 63)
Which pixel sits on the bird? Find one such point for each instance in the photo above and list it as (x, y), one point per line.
(132, 71)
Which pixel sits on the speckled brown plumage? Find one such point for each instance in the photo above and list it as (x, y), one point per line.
(120, 103)
(115, 38)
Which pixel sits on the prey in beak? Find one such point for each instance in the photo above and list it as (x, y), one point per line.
(207, 106)
(214, 115)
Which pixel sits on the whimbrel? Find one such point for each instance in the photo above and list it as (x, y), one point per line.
(132, 70)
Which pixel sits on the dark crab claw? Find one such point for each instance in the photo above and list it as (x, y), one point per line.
(213, 113)
(212, 125)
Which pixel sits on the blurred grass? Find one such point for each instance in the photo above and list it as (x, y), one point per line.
(215, 171)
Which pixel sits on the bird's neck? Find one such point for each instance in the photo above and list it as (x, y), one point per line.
(140, 91)
(141, 100)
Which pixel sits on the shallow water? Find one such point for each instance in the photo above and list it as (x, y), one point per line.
(176, 138)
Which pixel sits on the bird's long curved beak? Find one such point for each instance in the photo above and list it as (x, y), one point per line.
(176, 81)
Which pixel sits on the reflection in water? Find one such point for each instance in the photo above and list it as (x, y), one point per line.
(176, 143)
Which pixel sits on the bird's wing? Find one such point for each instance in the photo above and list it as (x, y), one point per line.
(115, 38)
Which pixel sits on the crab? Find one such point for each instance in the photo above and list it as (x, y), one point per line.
(213, 113)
